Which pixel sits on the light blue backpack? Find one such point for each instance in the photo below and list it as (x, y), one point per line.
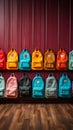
(24, 60)
(51, 87)
(65, 88)
(71, 60)
(38, 87)
(2, 85)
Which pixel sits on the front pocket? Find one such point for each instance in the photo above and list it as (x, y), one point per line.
(12, 64)
(10, 94)
(63, 65)
(65, 92)
(38, 93)
(51, 93)
(25, 64)
(37, 65)
(49, 65)
(24, 93)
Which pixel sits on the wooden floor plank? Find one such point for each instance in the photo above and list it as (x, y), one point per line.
(36, 117)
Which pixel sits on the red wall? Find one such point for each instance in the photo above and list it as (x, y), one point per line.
(36, 24)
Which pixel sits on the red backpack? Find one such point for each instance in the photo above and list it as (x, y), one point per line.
(11, 87)
(62, 60)
(2, 60)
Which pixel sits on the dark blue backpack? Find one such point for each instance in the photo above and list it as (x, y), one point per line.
(38, 87)
(65, 88)
(24, 60)
(25, 86)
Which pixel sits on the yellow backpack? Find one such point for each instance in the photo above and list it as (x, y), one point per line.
(12, 60)
(49, 60)
(37, 60)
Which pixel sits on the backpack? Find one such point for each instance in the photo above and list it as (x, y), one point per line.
(37, 87)
(62, 59)
(24, 86)
(37, 60)
(51, 86)
(2, 85)
(2, 60)
(11, 87)
(71, 60)
(65, 88)
(12, 60)
(24, 60)
(49, 60)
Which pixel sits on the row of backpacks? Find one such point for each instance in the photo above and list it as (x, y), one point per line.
(36, 62)
(36, 88)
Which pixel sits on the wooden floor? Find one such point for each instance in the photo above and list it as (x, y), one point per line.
(36, 117)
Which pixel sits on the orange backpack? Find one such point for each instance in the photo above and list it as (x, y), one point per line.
(37, 60)
(12, 60)
(62, 60)
(49, 60)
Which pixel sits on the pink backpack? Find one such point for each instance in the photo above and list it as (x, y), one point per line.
(11, 87)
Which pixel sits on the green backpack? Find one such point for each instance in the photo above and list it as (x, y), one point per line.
(2, 85)
(71, 60)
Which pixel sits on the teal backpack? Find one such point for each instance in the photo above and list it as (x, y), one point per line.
(38, 87)
(24, 60)
(65, 87)
(2, 85)
(71, 60)
(51, 87)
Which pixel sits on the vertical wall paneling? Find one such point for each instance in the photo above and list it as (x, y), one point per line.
(37, 23)
(42, 27)
(14, 28)
(58, 28)
(6, 26)
(32, 44)
(64, 24)
(2, 24)
(71, 24)
(30, 25)
(11, 24)
(19, 33)
(52, 24)
(45, 25)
